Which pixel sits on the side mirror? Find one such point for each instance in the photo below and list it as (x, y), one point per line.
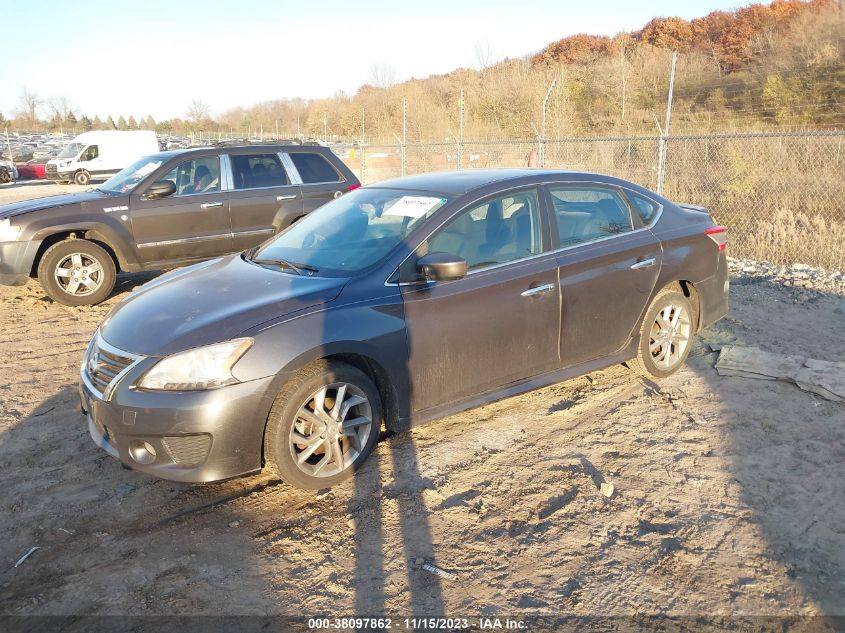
(160, 189)
(442, 267)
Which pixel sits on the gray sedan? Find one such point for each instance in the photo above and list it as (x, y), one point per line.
(394, 304)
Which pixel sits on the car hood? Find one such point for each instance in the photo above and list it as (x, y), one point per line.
(51, 202)
(208, 303)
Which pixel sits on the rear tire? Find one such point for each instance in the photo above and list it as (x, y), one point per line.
(665, 335)
(77, 272)
(313, 442)
(82, 177)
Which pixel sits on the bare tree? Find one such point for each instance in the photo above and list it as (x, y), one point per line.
(30, 103)
(60, 106)
(198, 111)
(382, 75)
(484, 56)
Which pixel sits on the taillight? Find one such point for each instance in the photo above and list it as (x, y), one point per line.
(352, 187)
(719, 235)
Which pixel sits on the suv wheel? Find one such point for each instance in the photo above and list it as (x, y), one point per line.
(82, 177)
(323, 425)
(665, 335)
(77, 272)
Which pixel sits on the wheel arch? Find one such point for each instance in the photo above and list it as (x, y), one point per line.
(691, 292)
(92, 234)
(379, 375)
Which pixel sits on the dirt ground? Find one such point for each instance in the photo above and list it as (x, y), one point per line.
(728, 496)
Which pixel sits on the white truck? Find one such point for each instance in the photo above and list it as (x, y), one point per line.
(100, 155)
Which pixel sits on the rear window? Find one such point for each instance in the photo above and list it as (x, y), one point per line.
(314, 168)
(645, 208)
(255, 171)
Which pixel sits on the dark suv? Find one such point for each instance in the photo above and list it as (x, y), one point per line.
(165, 210)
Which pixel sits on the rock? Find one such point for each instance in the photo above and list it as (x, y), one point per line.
(234, 524)
(352, 523)
(607, 489)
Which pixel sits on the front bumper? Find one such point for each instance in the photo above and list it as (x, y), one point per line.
(16, 260)
(192, 436)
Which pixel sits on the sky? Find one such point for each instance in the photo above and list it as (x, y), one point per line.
(155, 57)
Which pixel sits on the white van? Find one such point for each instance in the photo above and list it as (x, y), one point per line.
(100, 155)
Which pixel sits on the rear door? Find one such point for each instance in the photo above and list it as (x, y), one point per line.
(263, 199)
(321, 181)
(193, 223)
(608, 266)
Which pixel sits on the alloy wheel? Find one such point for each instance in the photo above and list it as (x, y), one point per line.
(79, 274)
(330, 430)
(669, 336)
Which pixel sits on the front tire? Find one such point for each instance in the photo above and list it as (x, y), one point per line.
(665, 335)
(82, 177)
(323, 425)
(77, 272)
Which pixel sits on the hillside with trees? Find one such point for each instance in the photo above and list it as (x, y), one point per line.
(763, 66)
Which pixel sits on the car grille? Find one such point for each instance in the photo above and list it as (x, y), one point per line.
(105, 366)
(187, 450)
(50, 169)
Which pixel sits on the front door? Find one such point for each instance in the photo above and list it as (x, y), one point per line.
(497, 325)
(263, 200)
(193, 223)
(607, 270)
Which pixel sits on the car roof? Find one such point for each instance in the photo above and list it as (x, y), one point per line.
(460, 182)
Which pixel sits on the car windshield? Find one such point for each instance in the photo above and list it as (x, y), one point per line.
(126, 179)
(72, 150)
(349, 233)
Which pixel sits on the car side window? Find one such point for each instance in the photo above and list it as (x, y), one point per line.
(314, 168)
(644, 207)
(195, 176)
(254, 171)
(500, 230)
(90, 153)
(588, 212)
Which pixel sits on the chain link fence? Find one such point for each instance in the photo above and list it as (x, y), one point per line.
(781, 194)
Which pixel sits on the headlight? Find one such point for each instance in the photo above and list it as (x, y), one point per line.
(201, 368)
(8, 233)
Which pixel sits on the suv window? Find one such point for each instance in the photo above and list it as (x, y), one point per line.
(252, 171)
(644, 207)
(587, 213)
(496, 231)
(197, 175)
(314, 168)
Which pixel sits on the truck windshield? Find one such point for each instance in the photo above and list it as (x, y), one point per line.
(349, 234)
(71, 150)
(125, 180)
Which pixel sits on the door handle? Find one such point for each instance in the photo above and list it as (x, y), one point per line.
(537, 290)
(210, 205)
(288, 197)
(643, 264)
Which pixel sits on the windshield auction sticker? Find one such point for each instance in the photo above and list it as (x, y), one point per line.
(413, 206)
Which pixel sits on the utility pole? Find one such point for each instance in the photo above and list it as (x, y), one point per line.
(543, 123)
(461, 133)
(664, 133)
(362, 124)
(404, 133)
